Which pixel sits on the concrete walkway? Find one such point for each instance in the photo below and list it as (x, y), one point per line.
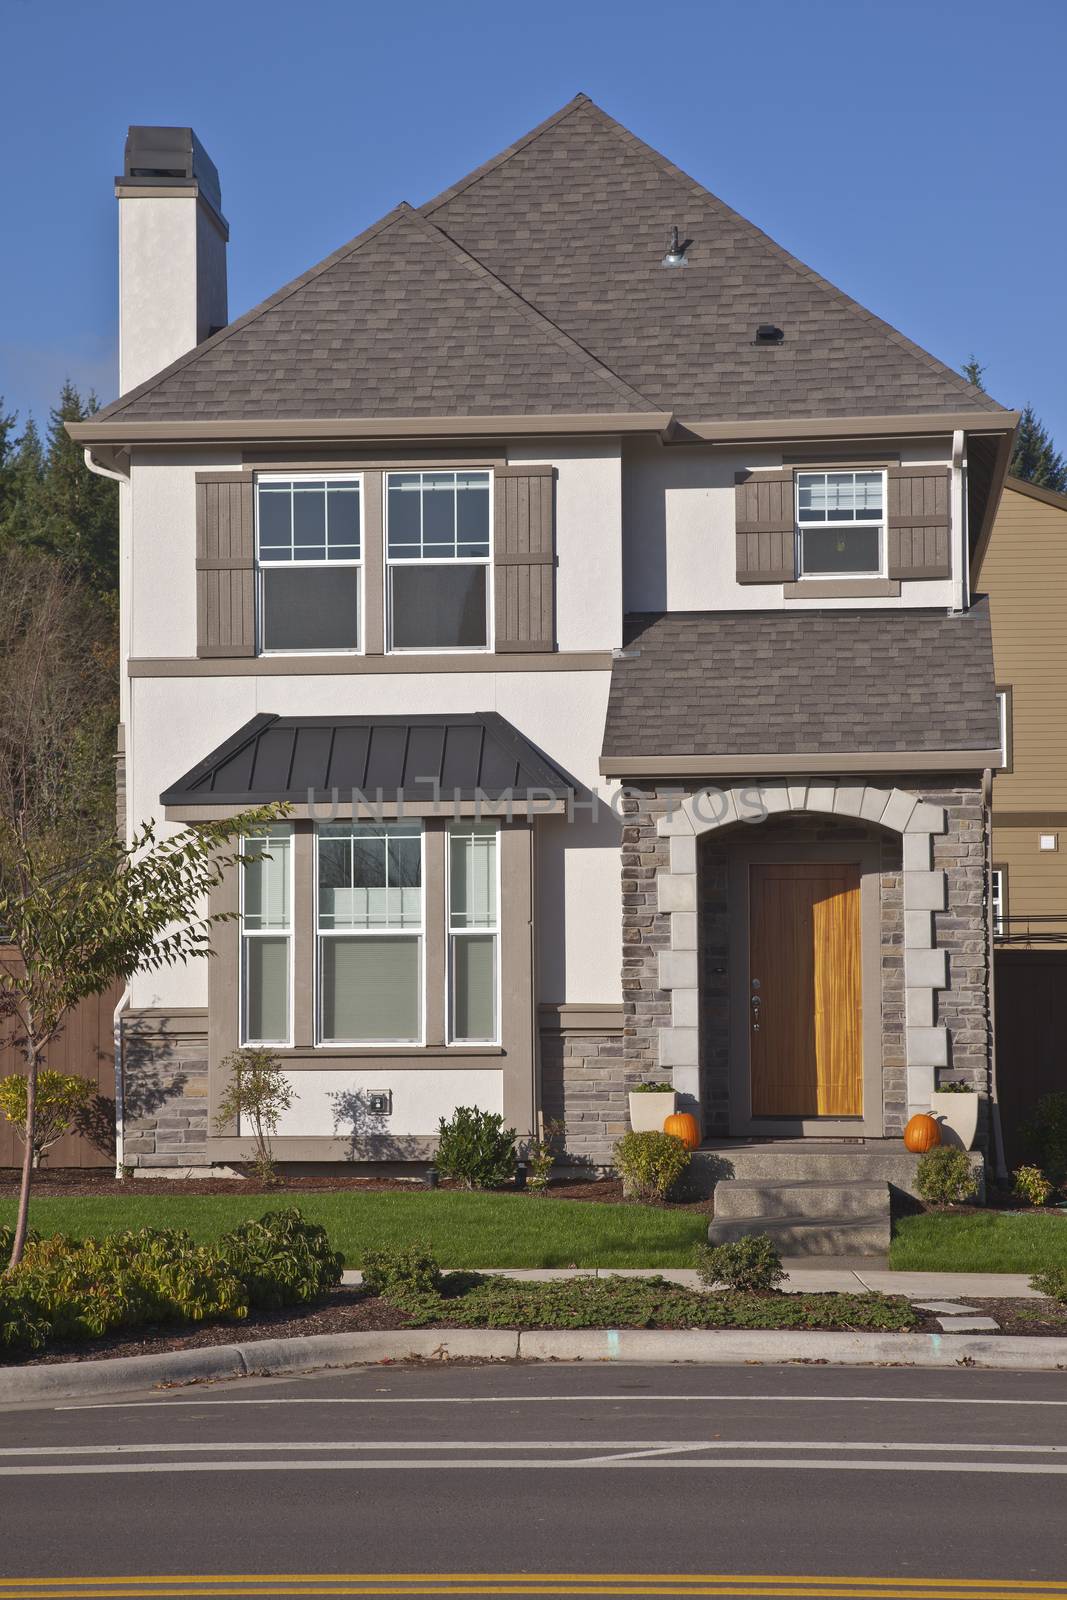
(855, 1277)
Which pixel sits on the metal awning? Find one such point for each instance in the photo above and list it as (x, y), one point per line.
(318, 760)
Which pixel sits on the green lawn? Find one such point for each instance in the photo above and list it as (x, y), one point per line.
(464, 1230)
(980, 1241)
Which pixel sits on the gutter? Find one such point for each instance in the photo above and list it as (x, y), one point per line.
(120, 1095)
(960, 563)
(994, 1097)
(118, 431)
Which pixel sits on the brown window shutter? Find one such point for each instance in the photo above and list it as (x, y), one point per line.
(225, 579)
(919, 522)
(766, 531)
(524, 558)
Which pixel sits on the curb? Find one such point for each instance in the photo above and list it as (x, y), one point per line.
(715, 1347)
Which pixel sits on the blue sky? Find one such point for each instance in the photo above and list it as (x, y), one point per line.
(912, 151)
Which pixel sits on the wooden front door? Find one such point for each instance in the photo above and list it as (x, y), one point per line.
(805, 1001)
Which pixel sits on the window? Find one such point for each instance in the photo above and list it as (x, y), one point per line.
(308, 550)
(266, 937)
(370, 933)
(1004, 727)
(997, 891)
(840, 524)
(473, 934)
(438, 541)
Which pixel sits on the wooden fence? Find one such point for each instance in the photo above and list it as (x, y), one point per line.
(85, 1046)
(1031, 1010)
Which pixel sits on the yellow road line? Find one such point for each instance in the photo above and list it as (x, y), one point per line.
(129, 1580)
(728, 1591)
(746, 1585)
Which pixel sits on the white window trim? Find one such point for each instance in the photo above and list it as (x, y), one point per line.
(388, 562)
(416, 933)
(1003, 699)
(291, 566)
(452, 934)
(851, 526)
(997, 877)
(266, 933)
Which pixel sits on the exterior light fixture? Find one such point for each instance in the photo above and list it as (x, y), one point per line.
(676, 256)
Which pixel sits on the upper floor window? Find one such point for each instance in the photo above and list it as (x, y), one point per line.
(840, 524)
(438, 550)
(309, 547)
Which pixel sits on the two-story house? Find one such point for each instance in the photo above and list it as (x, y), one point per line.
(592, 579)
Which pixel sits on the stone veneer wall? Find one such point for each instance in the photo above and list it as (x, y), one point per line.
(585, 1081)
(960, 1004)
(165, 1089)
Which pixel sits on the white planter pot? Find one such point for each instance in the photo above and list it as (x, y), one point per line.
(957, 1117)
(648, 1112)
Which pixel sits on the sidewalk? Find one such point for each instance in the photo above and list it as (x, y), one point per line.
(853, 1277)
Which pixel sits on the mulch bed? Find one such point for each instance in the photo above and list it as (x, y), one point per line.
(351, 1311)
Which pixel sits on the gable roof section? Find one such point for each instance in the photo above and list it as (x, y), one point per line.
(576, 218)
(276, 758)
(713, 685)
(400, 322)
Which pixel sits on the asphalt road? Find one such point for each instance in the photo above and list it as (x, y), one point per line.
(539, 1480)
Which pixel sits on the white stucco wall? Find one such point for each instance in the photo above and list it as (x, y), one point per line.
(678, 532)
(334, 1104)
(157, 284)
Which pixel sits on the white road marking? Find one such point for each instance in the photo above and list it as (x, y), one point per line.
(660, 1463)
(643, 1446)
(562, 1399)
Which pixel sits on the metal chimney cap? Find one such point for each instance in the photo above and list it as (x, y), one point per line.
(171, 155)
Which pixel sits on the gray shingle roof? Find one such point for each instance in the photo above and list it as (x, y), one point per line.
(401, 323)
(281, 758)
(803, 682)
(535, 286)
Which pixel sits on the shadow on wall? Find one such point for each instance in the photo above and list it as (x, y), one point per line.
(151, 1075)
(367, 1131)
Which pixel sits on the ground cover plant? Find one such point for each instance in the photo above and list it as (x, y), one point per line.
(462, 1229)
(67, 1288)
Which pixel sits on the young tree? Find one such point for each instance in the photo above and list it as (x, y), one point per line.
(258, 1092)
(1035, 457)
(81, 918)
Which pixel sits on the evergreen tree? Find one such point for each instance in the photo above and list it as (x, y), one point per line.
(1035, 457)
(79, 510)
(7, 459)
(23, 484)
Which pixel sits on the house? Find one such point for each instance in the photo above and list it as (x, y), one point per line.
(1022, 567)
(593, 580)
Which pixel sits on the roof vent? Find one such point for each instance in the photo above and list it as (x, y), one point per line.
(767, 333)
(676, 256)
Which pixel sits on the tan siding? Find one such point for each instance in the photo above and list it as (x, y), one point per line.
(1037, 879)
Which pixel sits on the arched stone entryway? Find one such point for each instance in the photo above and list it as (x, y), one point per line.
(925, 966)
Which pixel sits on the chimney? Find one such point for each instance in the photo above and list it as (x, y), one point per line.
(172, 251)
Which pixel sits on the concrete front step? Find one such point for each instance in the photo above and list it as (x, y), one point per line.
(783, 1161)
(813, 1199)
(803, 1236)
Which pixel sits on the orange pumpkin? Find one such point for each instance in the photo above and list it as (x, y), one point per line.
(683, 1126)
(922, 1133)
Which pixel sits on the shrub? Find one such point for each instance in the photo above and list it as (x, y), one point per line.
(540, 1156)
(945, 1177)
(413, 1269)
(651, 1163)
(1044, 1137)
(475, 1147)
(61, 1098)
(1053, 1282)
(258, 1093)
(651, 1088)
(80, 1289)
(954, 1086)
(751, 1264)
(1032, 1186)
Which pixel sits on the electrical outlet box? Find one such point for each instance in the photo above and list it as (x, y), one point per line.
(380, 1105)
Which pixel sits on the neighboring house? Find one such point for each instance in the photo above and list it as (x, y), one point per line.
(1022, 567)
(525, 492)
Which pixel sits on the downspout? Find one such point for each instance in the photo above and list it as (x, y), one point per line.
(994, 1099)
(120, 1088)
(961, 583)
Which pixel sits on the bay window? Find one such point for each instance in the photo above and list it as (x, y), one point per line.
(370, 933)
(438, 546)
(840, 524)
(473, 934)
(266, 937)
(308, 563)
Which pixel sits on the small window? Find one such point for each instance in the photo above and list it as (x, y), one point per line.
(308, 563)
(997, 894)
(370, 933)
(840, 524)
(266, 937)
(473, 935)
(1004, 727)
(438, 543)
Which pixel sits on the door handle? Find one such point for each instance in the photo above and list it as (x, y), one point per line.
(756, 1003)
